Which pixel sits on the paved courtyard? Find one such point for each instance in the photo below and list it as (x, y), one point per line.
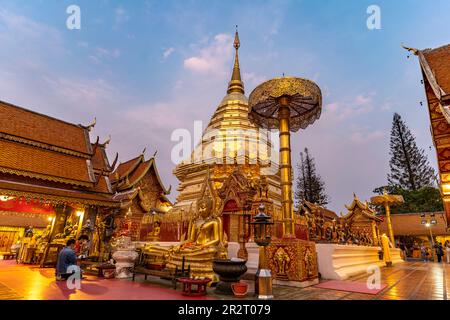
(407, 281)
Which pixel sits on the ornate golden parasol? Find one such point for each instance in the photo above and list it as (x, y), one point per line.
(388, 200)
(287, 104)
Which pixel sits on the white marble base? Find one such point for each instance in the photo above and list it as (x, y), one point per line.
(396, 256)
(339, 262)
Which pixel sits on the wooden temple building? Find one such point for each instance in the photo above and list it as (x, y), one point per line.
(56, 184)
(435, 67)
(139, 188)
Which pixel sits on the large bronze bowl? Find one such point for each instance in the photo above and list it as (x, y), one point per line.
(229, 272)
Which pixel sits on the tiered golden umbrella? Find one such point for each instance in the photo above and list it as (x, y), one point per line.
(388, 200)
(286, 104)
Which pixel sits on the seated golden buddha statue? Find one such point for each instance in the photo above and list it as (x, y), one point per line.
(205, 242)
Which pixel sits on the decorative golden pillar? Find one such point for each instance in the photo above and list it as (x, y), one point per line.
(374, 233)
(388, 200)
(286, 104)
(286, 167)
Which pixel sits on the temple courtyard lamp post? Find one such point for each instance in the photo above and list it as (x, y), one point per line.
(388, 200)
(286, 104)
(261, 224)
(429, 223)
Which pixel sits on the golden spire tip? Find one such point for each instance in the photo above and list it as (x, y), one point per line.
(236, 84)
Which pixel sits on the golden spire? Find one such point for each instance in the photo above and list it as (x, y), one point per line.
(236, 85)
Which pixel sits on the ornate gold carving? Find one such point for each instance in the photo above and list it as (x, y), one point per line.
(282, 261)
(305, 100)
(57, 199)
(296, 257)
(44, 177)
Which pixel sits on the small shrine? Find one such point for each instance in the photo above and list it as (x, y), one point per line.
(362, 223)
(143, 199)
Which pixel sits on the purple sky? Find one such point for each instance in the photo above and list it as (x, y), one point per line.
(145, 68)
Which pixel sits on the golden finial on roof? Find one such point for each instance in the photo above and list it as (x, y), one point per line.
(89, 126)
(414, 51)
(107, 141)
(236, 85)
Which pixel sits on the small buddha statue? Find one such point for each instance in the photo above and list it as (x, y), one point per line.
(205, 242)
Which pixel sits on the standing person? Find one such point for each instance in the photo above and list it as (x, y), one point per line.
(427, 253)
(439, 251)
(386, 245)
(403, 250)
(423, 252)
(66, 258)
(447, 250)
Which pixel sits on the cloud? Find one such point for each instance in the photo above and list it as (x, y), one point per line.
(168, 52)
(363, 100)
(101, 54)
(213, 58)
(340, 111)
(121, 16)
(364, 137)
(252, 80)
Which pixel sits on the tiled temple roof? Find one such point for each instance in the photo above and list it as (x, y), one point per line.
(99, 159)
(56, 158)
(125, 168)
(24, 160)
(29, 125)
(439, 61)
(405, 224)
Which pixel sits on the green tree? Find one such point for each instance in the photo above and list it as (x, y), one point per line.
(425, 199)
(409, 165)
(309, 184)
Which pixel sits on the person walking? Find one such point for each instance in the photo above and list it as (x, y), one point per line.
(439, 251)
(403, 250)
(447, 250)
(423, 252)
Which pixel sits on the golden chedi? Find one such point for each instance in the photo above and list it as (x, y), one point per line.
(229, 144)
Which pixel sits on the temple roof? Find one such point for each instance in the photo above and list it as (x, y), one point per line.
(435, 67)
(438, 60)
(24, 160)
(100, 159)
(129, 173)
(363, 208)
(125, 168)
(52, 194)
(35, 127)
(315, 208)
(46, 158)
(409, 224)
